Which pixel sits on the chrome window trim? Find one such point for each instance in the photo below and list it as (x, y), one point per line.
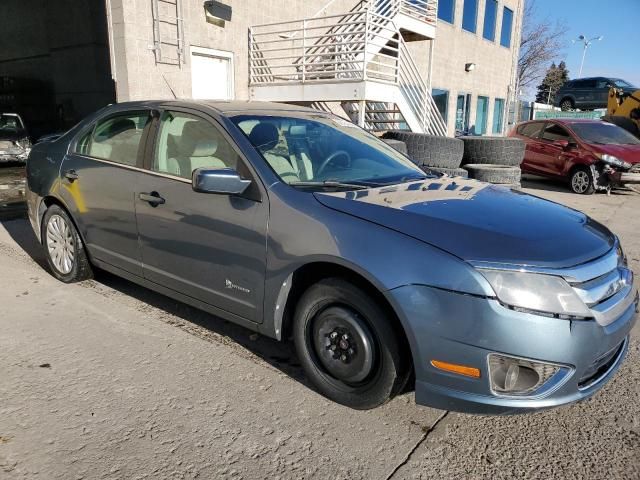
(134, 168)
(576, 274)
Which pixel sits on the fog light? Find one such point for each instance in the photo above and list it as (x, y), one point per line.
(520, 377)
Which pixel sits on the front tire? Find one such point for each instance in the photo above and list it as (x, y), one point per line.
(63, 247)
(581, 181)
(347, 346)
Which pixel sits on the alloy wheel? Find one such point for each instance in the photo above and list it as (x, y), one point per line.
(580, 181)
(60, 244)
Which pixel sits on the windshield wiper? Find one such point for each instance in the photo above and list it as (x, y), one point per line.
(329, 184)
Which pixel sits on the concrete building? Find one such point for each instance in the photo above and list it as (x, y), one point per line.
(377, 67)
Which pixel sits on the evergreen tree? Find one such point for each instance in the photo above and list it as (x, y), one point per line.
(555, 77)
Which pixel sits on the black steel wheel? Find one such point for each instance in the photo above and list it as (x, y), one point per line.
(347, 345)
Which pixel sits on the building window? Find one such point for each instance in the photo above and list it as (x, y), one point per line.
(490, 12)
(446, 10)
(470, 15)
(441, 98)
(482, 112)
(498, 114)
(507, 23)
(463, 104)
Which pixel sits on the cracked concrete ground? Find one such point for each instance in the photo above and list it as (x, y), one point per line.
(106, 379)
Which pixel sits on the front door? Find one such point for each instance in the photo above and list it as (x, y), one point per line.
(552, 158)
(209, 247)
(98, 178)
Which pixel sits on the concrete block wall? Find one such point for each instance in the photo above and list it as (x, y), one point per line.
(455, 47)
(138, 75)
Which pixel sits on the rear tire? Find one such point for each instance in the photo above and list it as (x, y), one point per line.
(63, 247)
(500, 174)
(581, 181)
(347, 346)
(567, 105)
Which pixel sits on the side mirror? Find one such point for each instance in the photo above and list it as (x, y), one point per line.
(561, 143)
(223, 181)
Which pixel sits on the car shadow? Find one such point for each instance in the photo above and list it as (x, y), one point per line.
(280, 355)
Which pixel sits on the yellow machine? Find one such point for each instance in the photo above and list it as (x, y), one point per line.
(623, 109)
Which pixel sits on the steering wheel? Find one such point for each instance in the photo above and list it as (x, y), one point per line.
(330, 158)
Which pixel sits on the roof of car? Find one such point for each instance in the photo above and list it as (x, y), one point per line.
(566, 120)
(221, 106)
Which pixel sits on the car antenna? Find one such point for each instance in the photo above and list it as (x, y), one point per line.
(167, 82)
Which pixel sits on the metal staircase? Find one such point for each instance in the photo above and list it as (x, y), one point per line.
(359, 59)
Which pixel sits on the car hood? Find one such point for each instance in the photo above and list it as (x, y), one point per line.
(479, 222)
(12, 136)
(628, 153)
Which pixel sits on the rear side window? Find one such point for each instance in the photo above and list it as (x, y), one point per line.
(555, 132)
(117, 139)
(530, 129)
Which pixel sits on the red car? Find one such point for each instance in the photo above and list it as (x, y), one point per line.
(590, 154)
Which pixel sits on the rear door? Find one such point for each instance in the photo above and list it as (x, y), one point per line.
(529, 133)
(98, 178)
(208, 247)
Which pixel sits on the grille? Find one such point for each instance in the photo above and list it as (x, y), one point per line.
(600, 367)
(635, 168)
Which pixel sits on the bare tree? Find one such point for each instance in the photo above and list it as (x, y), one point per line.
(541, 44)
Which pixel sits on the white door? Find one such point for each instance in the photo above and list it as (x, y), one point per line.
(211, 74)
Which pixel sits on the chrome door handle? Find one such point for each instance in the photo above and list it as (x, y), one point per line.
(71, 175)
(154, 199)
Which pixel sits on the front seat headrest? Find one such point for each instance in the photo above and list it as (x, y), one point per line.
(264, 136)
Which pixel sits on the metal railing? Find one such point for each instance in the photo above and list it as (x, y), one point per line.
(364, 44)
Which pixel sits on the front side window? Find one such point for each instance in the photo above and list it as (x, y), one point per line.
(187, 142)
(490, 13)
(470, 15)
(317, 149)
(507, 23)
(446, 10)
(554, 132)
(621, 83)
(117, 138)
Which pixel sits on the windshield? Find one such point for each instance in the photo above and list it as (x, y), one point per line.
(10, 123)
(603, 133)
(315, 149)
(621, 83)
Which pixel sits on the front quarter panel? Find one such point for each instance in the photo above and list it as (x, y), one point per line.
(303, 231)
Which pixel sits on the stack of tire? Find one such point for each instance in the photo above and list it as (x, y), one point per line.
(494, 159)
(430, 152)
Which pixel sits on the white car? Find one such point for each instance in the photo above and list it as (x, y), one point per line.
(14, 139)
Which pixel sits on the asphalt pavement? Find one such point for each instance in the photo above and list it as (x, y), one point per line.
(108, 380)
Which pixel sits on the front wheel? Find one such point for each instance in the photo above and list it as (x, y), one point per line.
(63, 247)
(347, 345)
(582, 181)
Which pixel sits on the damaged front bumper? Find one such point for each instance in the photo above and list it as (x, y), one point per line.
(14, 154)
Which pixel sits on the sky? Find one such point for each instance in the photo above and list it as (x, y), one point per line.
(617, 55)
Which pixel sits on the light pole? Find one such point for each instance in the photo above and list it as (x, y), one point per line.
(586, 44)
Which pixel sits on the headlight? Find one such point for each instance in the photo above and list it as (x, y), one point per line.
(536, 293)
(612, 160)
